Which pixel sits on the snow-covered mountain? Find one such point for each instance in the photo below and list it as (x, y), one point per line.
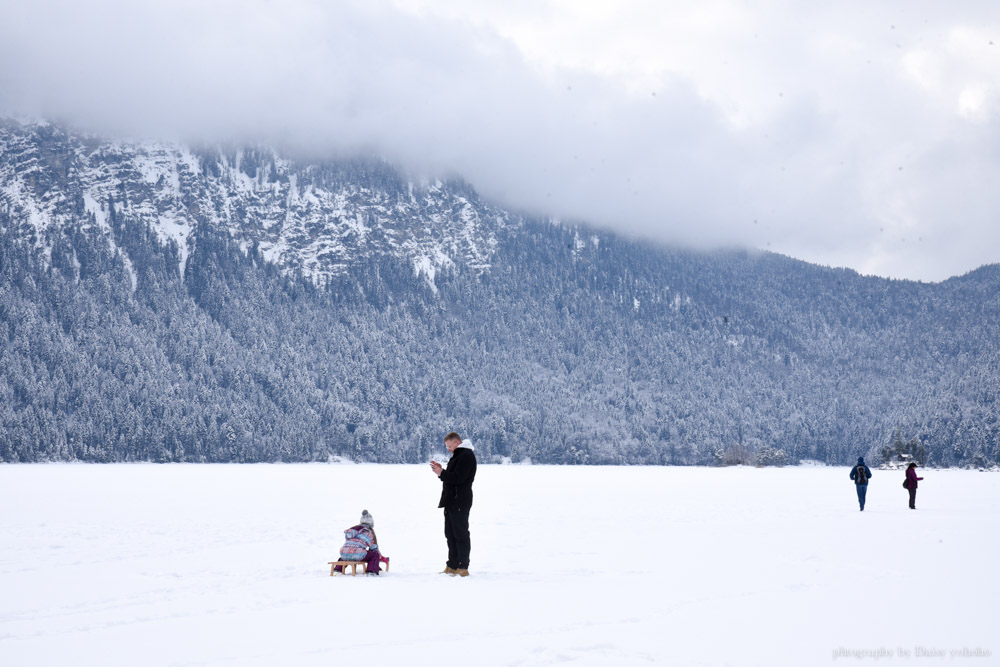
(316, 218)
(159, 302)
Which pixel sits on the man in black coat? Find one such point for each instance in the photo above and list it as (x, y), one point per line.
(456, 499)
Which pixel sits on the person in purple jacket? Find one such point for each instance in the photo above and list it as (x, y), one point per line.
(911, 484)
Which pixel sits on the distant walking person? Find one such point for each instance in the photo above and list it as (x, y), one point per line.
(861, 473)
(911, 484)
(456, 499)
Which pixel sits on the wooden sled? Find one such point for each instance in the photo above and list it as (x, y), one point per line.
(353, 565)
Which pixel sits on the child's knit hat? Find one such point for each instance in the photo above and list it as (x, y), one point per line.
(366, 519)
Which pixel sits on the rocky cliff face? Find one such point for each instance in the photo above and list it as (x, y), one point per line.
(313, 217)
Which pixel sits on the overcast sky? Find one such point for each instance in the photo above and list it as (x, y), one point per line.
(855, 134)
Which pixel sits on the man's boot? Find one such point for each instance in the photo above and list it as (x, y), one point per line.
(462, 572)
(450, 571)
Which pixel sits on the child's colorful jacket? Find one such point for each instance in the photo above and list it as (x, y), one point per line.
(359, 540)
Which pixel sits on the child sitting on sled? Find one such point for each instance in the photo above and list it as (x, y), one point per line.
(362, 545)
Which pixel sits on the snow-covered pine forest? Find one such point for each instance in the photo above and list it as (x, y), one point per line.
(166, 303)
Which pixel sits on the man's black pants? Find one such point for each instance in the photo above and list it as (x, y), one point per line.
(456, 530)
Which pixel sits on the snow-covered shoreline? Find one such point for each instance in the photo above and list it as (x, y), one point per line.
(444, 456)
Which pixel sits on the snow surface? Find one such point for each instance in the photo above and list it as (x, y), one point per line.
(226, 565)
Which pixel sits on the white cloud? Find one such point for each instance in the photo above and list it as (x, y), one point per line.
(859, 134)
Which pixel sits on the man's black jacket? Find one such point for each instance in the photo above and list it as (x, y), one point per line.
(457, 479)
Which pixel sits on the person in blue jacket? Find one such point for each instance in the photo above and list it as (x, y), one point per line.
(861, 473)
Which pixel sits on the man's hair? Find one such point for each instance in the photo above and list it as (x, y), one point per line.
(452, 436)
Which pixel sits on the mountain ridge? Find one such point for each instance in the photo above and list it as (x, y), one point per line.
(311, 217)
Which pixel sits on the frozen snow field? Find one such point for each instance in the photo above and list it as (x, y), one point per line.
(148, 565)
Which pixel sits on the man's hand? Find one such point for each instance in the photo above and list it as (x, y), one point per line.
(436, 467)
